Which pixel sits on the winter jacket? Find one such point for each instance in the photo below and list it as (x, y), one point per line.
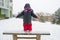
(27, 16)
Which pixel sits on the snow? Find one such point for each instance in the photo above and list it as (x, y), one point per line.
(15, 24)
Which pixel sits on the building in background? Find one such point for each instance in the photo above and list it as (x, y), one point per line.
(45, 16)
(6, 8)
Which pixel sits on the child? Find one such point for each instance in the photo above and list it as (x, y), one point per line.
(27, 13)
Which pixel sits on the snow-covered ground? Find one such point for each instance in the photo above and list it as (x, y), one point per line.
(15, 24)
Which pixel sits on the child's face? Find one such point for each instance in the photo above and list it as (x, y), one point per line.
(27, 8)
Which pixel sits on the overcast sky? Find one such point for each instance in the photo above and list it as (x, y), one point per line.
(49, 6)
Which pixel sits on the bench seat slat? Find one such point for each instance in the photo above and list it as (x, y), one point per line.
(27, 33)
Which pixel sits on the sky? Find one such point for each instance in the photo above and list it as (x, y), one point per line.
(46, 6)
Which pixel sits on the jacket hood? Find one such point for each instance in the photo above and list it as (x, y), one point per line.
(27, 5)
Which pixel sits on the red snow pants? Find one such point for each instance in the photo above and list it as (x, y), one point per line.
(27, 26)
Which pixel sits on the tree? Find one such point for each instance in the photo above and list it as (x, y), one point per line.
(56, 17)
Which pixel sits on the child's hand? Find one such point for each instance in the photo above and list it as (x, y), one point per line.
(38, 18)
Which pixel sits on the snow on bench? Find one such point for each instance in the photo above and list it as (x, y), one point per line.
(38, 34)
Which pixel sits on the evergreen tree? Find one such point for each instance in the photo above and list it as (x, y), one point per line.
(56, 17)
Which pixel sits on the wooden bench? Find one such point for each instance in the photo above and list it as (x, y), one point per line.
(38, 35)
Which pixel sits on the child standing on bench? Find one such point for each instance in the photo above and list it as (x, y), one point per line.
(27, 13)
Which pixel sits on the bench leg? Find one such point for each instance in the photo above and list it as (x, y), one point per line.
(14, 37)
(38, 37)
